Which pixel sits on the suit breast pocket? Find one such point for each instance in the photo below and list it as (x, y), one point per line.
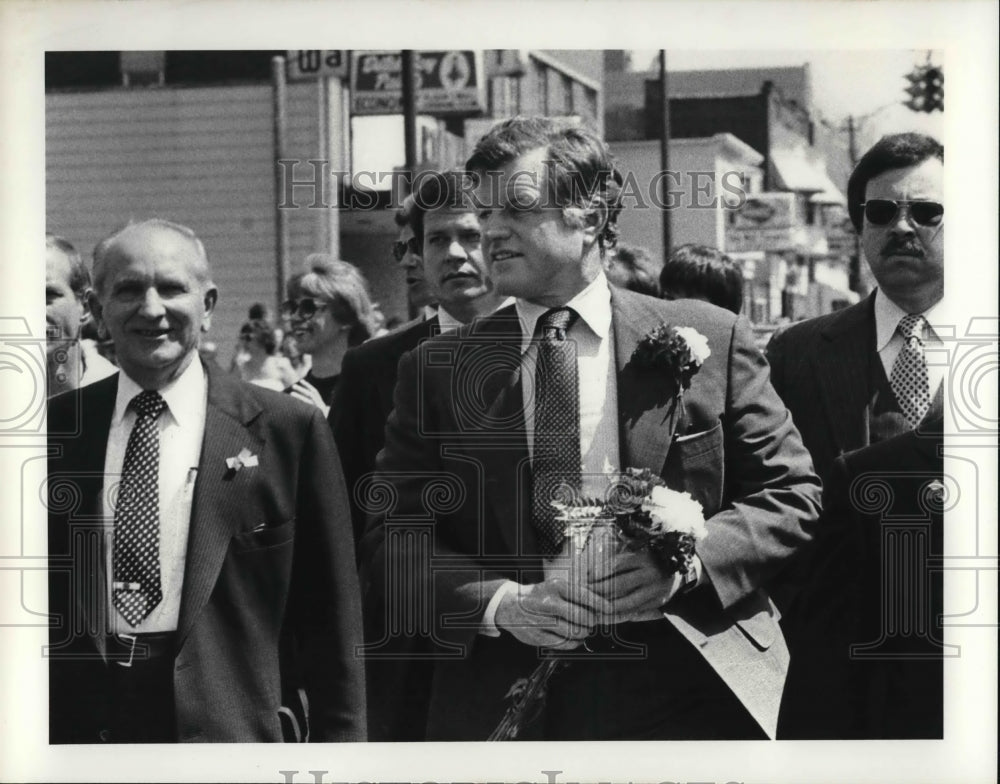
(264, 537)
(695, 464)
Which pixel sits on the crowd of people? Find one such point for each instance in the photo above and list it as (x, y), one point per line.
(349, 533)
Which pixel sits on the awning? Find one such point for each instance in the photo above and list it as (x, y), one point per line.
(797, 173)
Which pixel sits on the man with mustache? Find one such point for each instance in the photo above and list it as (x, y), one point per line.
(859, 377)
(837, 373)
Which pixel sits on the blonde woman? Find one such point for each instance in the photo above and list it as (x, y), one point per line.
(328, 310)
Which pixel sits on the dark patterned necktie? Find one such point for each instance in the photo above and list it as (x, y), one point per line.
(909, 380)
(136, 553)
(555, 473)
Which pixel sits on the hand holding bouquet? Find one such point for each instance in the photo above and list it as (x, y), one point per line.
(626, 547)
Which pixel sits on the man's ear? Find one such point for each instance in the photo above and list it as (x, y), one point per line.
(211, 297)
(595, 218)
(85, 314)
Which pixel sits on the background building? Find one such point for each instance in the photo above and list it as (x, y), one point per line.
(189, 135)
(793, 235)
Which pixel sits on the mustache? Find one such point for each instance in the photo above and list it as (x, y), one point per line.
(909, 247)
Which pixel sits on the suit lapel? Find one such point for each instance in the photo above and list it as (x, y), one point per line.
(90, 551)
(217, 507)
(844, 373)
(506, 455)
(647, 414)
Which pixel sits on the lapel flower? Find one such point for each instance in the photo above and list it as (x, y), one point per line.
(244, 458)
(681, 351)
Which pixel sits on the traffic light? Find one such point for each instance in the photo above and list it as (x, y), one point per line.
(934, 90)
(926, 89)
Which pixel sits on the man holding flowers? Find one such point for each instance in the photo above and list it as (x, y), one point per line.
(559, 403)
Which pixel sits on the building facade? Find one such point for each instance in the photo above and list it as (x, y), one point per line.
(190, 136)
(794, 236)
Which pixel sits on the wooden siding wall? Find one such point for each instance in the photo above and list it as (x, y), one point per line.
(198, 156)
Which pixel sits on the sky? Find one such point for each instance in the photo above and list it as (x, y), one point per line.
(867, 84)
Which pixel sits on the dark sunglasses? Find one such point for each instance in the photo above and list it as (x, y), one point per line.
(305, 308)
(399, 248)
(881, 212)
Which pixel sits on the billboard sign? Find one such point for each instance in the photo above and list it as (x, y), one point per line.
(448, 82)
(304, 64)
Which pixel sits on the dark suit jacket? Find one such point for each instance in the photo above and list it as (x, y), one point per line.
(876, 587)
(270, 594)
(362, 402)
(456, 462)
(397, 683)
(821, 368)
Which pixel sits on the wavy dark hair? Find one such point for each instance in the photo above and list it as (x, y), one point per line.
(703, 272)
(894, 151)
(579, 164)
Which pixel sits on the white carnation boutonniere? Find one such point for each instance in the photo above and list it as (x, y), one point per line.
(680, 351)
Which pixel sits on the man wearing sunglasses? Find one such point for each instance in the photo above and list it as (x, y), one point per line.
(408, 253)
(837, 373)
(860, 377)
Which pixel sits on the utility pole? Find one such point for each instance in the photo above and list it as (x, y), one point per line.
(665, 153)
(855, 279)
(280, 141)
(409, 117)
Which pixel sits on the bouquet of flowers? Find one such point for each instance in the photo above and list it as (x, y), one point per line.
(638, 513)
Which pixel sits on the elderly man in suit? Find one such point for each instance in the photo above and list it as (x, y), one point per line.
(463, 462)
(859, 376)
(447, 234)
(201, 557)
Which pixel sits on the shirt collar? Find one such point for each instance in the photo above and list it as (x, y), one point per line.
(593, 305)
(447, 321)
(888, 315)
(182, 395)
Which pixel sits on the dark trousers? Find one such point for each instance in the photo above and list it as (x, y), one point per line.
(142, 689)
(669, 692)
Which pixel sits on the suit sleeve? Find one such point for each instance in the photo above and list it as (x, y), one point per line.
(406, 466)
(772, 494)
(348, 423)
(775, 353)
(325, 603)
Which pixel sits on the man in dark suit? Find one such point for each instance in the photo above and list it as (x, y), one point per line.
(697, 655)
(836, 372)
(201, 558)
(861, 375)
(447, 232)
(871, 662)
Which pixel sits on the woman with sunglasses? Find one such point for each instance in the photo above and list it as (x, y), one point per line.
(328, 310)
(262, 364)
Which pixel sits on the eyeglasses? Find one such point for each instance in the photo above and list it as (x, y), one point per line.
(399, 249)
(881, 212)
(305, 308)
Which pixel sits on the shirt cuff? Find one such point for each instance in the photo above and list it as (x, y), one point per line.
(488, 627)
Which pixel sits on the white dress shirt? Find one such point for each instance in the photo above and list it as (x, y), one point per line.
(182, 428)
(888, 341)
(598, 387)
